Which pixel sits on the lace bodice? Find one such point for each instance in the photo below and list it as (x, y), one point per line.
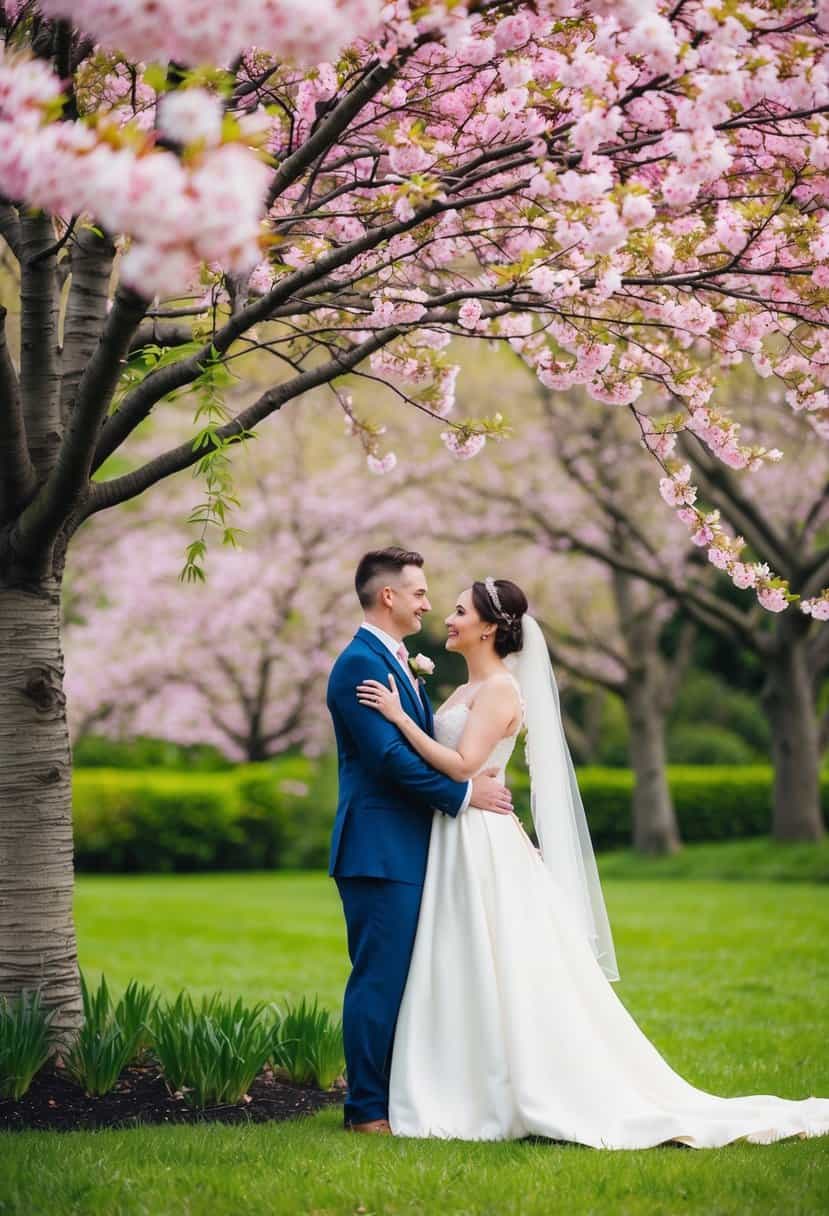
(449, 727)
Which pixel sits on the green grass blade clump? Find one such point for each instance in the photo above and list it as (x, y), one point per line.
(308, 1045)
(25, 1042)
(213, 1051)
(110, 1037)
(134, 1013)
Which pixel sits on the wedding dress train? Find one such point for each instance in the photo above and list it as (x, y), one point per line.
(508, 1026)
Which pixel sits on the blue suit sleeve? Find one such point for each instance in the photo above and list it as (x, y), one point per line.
(382, 748)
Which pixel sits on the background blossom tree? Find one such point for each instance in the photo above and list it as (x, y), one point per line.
(575, 485)
(239, 662)
(606, 513)
(628, 193)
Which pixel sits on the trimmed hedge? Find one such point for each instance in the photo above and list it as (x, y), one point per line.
(712, 803)
(257, 816)
(279, 814)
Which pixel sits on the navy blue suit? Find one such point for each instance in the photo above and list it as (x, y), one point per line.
(379, 849)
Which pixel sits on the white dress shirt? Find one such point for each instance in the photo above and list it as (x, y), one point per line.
(393, 645)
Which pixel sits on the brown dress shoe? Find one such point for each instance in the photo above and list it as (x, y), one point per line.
(376, 1127)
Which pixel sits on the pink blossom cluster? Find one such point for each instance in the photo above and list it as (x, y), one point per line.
(198, 31)
(724, 550)
(463, 447)
(628, 194)
(271, 612)
(817, 607)
(177, 214)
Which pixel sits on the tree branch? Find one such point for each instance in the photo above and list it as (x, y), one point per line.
(721, 488)
(579, 670)
(39, 379)
(297, 286)
(69, 480)
(107, 493)
(10, 227)
(86, 309)
(17, 473)
(160, 333)
(332, 127)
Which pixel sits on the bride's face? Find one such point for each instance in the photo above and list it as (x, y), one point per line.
(464, 625)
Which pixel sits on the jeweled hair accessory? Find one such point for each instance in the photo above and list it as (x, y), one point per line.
(492, 592)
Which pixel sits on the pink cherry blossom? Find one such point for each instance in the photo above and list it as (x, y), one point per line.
(189, 115)
(381, 464)
(193, 31)
(817, 608)
(605, 188)
(469, 313)
(773, 599)
(743, 575)
(463, 448)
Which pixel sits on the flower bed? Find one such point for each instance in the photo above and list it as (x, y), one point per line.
(142, 1059)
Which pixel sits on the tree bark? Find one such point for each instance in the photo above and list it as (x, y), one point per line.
(648, 693)
(37, 934)
(789, 701)
(655, 828)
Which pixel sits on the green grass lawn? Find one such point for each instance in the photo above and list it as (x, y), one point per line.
(730, 981)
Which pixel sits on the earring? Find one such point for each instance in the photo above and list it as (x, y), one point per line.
(484, 637)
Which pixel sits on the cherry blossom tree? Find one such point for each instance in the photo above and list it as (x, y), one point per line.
(241, 661)
(574, 485)
(784, 522)
(607, 516)
(627, 192)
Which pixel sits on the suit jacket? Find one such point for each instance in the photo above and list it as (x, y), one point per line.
(387, 793)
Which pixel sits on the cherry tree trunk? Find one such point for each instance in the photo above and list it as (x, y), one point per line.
(37, 933)
(655, 828)
(789, 702)
(646, 688)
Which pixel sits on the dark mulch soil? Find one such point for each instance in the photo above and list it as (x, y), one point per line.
(141, 1096)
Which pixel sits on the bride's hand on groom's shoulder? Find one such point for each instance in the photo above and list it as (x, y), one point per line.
(385, 700)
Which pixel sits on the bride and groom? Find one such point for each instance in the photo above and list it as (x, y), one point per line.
(479, 1005)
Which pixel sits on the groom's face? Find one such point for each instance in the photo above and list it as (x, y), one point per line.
(409, 600)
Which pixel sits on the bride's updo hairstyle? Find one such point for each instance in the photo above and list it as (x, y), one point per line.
(503, 604)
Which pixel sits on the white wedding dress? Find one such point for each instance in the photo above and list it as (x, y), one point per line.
(509, 1027)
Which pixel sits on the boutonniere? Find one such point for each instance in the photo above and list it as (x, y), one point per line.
(421, 665)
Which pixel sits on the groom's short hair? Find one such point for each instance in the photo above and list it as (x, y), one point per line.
(376, 566)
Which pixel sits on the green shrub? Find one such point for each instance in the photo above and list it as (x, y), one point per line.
(308, 1045)
(257, 816)
(109, 1038)
(97, 751)
(712, 803)
(211, 1052)
(279, 814)
(154, 821)
(276, 815)
(25, 1042)
(706, 743)
(614, 736)
(705, 698)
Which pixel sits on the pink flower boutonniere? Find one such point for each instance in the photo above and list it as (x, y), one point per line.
(421, 665)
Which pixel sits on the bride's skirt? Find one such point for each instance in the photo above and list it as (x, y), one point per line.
(509, 1028)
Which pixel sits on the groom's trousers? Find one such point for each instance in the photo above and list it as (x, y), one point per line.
(381, 920)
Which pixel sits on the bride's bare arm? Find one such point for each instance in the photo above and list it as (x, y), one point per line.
(495, 707)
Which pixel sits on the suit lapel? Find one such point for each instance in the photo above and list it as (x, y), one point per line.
(403, 681)
(427, 705)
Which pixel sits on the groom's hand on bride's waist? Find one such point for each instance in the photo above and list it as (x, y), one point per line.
(488, 794)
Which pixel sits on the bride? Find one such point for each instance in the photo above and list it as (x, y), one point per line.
(509, 1025)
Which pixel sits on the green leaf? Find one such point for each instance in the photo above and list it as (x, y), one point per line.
(155, 75)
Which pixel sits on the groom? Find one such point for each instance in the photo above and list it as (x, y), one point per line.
(380, 841)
